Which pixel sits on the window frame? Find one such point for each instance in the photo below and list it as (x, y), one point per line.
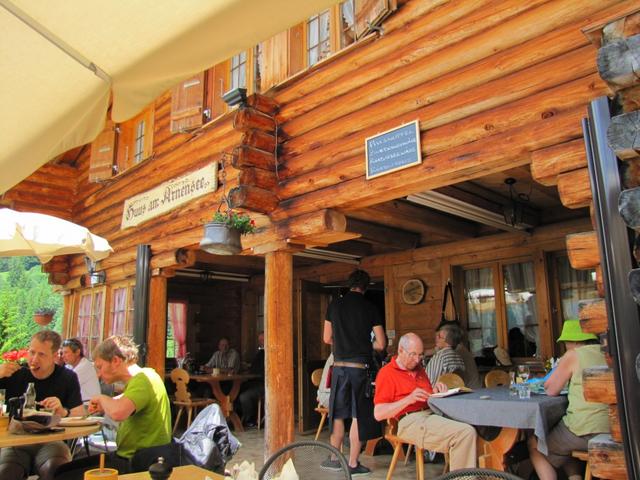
(73, 329)
(129, 140)
(129, 285)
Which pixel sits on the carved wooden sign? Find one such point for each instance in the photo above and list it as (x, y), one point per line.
(393, 150)
(169, 195)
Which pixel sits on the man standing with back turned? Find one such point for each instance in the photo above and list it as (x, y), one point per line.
(348, 325)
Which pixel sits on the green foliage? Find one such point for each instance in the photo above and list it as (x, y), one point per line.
(23, 290)
(239, 221)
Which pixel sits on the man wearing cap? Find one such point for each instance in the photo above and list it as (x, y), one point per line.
(73, 356)
(583, 419)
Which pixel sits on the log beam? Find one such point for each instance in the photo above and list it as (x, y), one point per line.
(247, 119)
(382, 235)
(262, 103)
(574, 188)
(245, 156)
(278, 301)
(619, 62)
(582, 249)
(257, 177)
(614, 423)
(253, 198)
(548, 163)
(623, 137)
(259, 139)
(180, 257)
(593, 318)
(606, 458)
(598, 385)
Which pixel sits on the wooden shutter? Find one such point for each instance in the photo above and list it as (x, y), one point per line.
(217, 85)
(274, 60)
(187, 100)
(102, 154)
(297, 50)
(370, 13)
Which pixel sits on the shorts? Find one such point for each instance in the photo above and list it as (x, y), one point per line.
(561, 442)
(348, 400)
(32, 457)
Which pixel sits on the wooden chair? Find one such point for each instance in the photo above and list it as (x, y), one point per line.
(316, 376)
(584, 456)
(183, 398)
(497, 378)
(451, 380)
(391, 435)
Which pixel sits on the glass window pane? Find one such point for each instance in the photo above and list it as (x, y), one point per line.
(577, 288)
(522, 313)
(347, 29)
(312, 32)
(481, 309)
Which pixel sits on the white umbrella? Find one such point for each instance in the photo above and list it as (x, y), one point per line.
(44, 236)
(61, 61)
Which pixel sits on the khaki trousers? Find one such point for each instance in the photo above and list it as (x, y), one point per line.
(440, 434)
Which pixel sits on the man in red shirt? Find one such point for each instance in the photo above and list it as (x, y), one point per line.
(402, 391)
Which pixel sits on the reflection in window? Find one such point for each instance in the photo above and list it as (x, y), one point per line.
(239, 70)
(522, 314)
(347, 24)
(318, 38)
(577, 288)
(481, 309)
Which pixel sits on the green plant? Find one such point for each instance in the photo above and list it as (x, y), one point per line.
(239, 221)
(45, 311)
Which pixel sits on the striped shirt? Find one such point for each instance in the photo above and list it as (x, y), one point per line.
(446, 360)
(229, 360)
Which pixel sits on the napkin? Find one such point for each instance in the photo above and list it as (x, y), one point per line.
(288, 472)
(244, 471)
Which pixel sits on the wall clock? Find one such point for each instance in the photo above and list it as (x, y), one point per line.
(413, 291)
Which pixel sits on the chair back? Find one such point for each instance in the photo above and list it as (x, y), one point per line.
(316, 376)
(451, 380)
(477, 474)
(180, 377)
(307, 458)
(497, 378)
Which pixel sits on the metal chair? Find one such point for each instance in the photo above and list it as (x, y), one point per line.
(451, 380)
(497, 378)
(477, 474)
(316, 376)
(307, 458)
(183, 398)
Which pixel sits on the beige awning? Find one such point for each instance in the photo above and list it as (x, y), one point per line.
(51, 99)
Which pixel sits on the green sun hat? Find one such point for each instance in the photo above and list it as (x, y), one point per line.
(572, 332)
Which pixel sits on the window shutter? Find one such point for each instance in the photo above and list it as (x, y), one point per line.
(296, 49)
(218, 85)
(102, 154)
(187, 101)
(274, 61)
(370, 13)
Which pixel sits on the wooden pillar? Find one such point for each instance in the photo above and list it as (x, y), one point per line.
(278, 299)
(157, 330)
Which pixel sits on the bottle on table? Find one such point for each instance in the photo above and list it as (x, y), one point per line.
(29, 397)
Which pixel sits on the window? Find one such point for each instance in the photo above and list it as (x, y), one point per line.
(134, 140)
(318, 37)
(577, 287)
(501, 307)
(347, 23)
(176, 329)
(90, 318)
(121, 311)
(139, 142)
(239, 70)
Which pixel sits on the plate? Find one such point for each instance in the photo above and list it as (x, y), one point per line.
(79, 421)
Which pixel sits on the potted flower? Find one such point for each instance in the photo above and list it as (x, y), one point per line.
(222, 234)
(43, 316)
(19, 356)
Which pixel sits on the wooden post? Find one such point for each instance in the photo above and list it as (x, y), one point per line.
(278, 304)
(157, 333)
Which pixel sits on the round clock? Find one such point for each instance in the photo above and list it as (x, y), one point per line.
(413, 291)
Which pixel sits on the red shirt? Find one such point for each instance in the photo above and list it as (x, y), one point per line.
(394, 383)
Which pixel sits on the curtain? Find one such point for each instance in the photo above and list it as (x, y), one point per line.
(118, 321)
(96, 322)
(84, 320)
(577, 288)
(178, 319)
(481, 309)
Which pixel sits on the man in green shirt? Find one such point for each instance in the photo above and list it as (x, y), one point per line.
(143, 409)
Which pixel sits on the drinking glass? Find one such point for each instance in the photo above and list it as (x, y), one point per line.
(523, 391)
(522, 373)
(512, 383)
(2, 398)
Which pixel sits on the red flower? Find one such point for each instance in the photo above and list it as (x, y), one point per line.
(16, 355)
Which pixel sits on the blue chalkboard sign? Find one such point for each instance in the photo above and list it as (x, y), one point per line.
(394, 149)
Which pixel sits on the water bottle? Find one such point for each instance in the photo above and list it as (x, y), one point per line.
(30, 397)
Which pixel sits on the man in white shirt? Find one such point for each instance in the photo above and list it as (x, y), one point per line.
(73, 355)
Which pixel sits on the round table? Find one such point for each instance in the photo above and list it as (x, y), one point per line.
(8, 439)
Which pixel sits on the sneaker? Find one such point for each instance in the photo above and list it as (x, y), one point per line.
(332, 465)
(359, 471)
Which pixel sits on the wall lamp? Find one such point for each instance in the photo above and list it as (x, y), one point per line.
(95, 277)
(235, 96)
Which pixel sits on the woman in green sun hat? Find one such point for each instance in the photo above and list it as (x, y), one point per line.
(583, 419)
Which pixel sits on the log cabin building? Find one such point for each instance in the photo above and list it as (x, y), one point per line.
(500, 200)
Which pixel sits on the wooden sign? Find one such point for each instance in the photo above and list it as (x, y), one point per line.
(393, 150)
(169, 195)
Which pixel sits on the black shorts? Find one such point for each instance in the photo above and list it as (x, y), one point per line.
(348, 400)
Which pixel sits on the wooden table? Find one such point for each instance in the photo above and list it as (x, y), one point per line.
(496, 408)
(226, 401)
(19, 440)
(188, 472)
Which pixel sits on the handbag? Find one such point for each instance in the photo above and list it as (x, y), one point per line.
(448, 292)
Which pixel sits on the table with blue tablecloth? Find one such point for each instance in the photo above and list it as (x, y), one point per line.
(495, 407)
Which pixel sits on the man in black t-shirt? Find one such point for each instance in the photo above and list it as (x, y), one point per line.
(57, 390)
(348, 325)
